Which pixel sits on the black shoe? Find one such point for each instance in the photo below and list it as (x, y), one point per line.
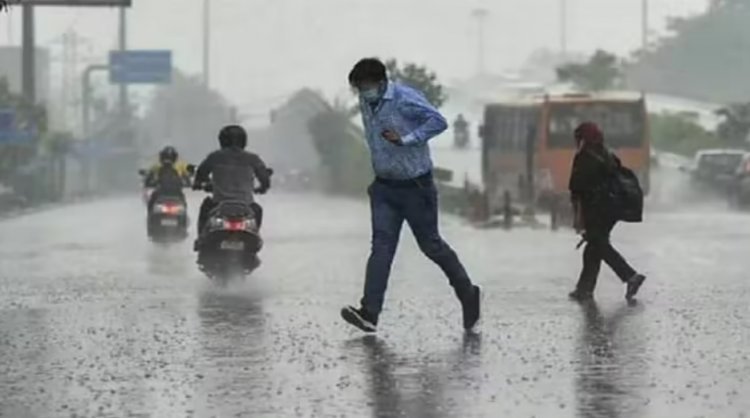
(633, 285)
(581, 296)
(472, 309)
(360, 318)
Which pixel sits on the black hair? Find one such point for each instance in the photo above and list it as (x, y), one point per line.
(367, 70)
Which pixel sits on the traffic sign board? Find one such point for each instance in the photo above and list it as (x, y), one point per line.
(7, 120)
(9, 132)
(73, 3)
(144, 67)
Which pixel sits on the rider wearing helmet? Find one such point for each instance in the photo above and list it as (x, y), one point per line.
(169, 176)
(232, 172)
(168, 157)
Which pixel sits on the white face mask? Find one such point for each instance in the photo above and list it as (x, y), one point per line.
(370, 95)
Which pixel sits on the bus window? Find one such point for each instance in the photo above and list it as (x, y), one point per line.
(622, 123)
(509, 128)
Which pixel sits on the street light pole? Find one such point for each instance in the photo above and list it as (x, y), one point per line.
(87, 161)
(28, 53)
(480, 15)
(564, 28)
(123, 46)
(206, 42)
(86, 96)
(644, 24)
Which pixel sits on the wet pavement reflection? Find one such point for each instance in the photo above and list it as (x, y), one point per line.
(407, 387)
(99, 322)
(611, 369)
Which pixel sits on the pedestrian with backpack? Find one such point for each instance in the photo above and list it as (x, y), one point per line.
(603, 192)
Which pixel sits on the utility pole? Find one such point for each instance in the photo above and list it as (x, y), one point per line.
(123, 46)
(234, 115)
(67, 66)
(87, 97)
(28, 64)
(644, 24)
(206, 43)
(86, 127)
(564, 28)
(481, 16)
(9, 29)
(75, 87)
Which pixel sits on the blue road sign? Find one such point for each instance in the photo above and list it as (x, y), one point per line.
(7, 120)
(140, 67)
(9, 132)
(67, 3)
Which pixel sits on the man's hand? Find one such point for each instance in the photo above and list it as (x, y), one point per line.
(391, 136)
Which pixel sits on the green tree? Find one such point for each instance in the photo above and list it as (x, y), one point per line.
(705, 57)
(343, 153)
(735, 128)
(601, 72)
(420, 78)
(680, 134)
(27, 116)
(36, 168)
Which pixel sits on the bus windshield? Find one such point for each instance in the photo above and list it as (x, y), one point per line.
(622, 123)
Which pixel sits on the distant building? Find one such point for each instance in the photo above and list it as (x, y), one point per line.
(287, 143)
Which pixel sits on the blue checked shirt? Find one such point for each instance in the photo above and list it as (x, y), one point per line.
(406, 111)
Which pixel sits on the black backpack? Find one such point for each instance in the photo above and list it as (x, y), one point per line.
(623, 191)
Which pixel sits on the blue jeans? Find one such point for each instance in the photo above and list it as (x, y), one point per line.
(418, 206)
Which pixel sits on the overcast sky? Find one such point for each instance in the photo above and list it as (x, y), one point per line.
(267, 48)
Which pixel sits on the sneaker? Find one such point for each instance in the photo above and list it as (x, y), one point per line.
(360, 318)
(633, 285)
(581, 296)
(472, 309)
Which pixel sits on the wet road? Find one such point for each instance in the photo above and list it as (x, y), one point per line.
(96, 321)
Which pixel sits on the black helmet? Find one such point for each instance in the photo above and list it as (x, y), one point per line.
(233, 136)
(168, 155)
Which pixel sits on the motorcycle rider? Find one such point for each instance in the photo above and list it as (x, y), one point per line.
(232, 172)
(168, 177)
(460, 132)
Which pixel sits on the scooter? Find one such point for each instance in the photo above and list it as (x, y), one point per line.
(230, 241)
(167, 217)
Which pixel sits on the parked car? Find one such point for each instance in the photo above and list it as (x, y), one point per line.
(717, 168)
(740, 195)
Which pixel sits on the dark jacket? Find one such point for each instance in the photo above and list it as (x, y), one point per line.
(232, 173)
(592, 167)
(167, 179)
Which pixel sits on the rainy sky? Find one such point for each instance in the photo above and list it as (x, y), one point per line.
(267, 48)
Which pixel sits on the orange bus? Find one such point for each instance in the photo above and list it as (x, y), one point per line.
(531, 143)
